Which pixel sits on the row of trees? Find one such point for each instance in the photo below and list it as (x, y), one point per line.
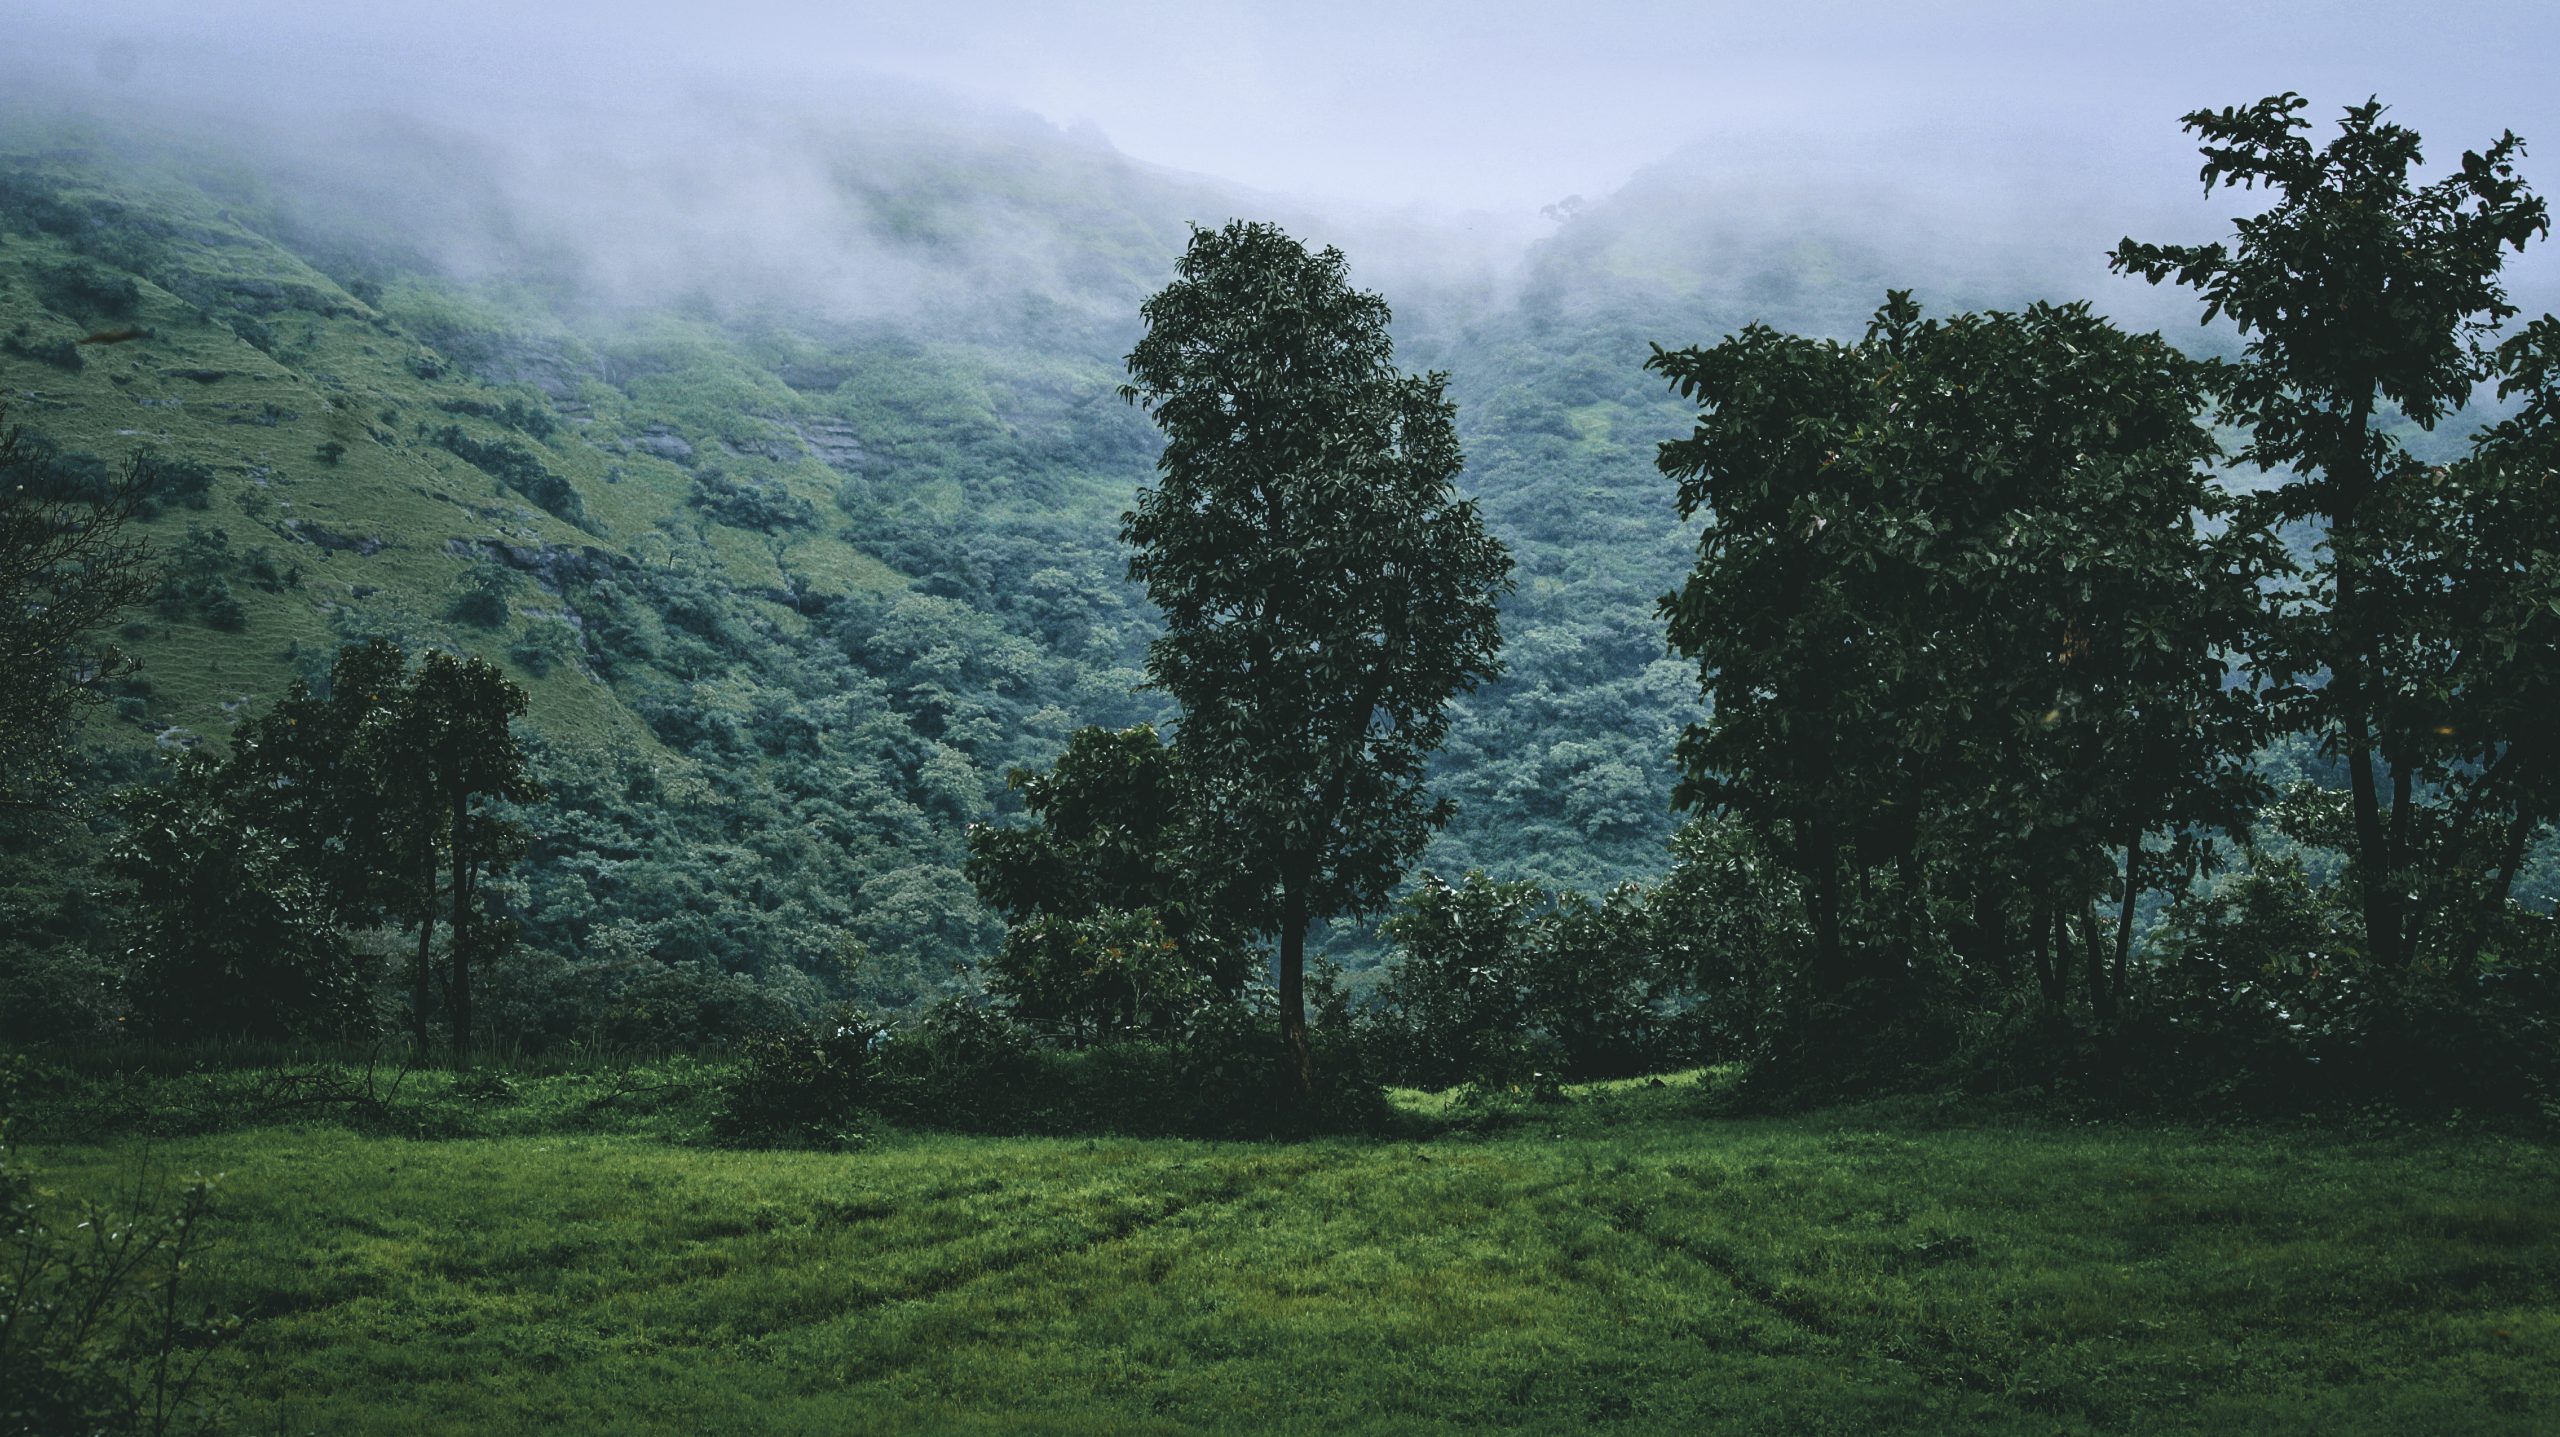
(368, 805)
(1990, 635)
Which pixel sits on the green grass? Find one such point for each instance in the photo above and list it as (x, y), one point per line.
(1625, 1262)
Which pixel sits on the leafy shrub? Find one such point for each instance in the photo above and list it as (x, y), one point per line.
(765, 507)
(543, 647)
(809, 1084)
(968, 1068)
(194, 586)
(516, 468)
(482, 596)
(88, 290)
(1495, 985)
(225, 934)
(185, 482)
(517, 412)
(105, 1323)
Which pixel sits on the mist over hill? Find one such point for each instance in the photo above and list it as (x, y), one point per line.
(776, 433)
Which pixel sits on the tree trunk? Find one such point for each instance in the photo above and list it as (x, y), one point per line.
(2102, 999)
(1293, 983)
(461, 995)
(2040, 939)
(2353, 644)
(419, 986)
(2124, 914)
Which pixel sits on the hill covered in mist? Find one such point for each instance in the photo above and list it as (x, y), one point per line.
(780, 458)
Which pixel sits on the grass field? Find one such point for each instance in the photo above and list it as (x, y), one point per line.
(1626, 1262)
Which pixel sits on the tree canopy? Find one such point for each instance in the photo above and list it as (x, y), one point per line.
(1325, 591)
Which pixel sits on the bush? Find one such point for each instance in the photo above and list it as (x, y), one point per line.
(60, 353)
(968, 1068)
(225, 928)
(87, 290)
(807, 1084)
(105, 1324)
(481, 598)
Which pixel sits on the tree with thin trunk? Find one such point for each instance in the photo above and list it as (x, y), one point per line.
(1325, 590)
(2366, 299)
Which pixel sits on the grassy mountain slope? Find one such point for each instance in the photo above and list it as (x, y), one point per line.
(789, 594)
(793, 500)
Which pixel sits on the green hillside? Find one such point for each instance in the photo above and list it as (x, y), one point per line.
(789, 597)
(798, 551)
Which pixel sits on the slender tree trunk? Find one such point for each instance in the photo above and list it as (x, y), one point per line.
(2352, 630)
(462, 926)
(2040, 939)
(2102, 999)
(1293, 983)
(1822, 911)
(2124, 914)
(419, 986)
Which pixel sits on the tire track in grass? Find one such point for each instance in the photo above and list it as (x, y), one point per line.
(1952, 1364)
(1202, 1201)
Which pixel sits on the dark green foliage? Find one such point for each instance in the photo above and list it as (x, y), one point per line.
(1325, 592)
(60, 353)
(86, 290)
(378, 788)
(1114, 925)
(482, 596)
(228, 934)
(810, 1084)
(2361, 292)
(187, 483)
(1455, 1005)
(526, 415)
(764, 507)
(1727, 926)
(66, 567)
(195, 585)
(106, 1321)
(543, 647)
(1225, 1073)
(1964, 641)
(1497, 985)
(517, 468)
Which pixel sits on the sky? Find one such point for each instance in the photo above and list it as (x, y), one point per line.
(1450, 105)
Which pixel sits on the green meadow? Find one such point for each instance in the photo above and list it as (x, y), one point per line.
(1629, 1260)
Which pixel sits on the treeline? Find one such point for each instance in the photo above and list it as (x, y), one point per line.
(2014, 677)
(1995, 638)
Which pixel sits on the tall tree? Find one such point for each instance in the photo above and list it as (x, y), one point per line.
(455, 725)
(381, 789)
(1325, 591)
(2365, 298)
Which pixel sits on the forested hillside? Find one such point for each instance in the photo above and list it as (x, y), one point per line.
(795, 566)
(799, 522)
